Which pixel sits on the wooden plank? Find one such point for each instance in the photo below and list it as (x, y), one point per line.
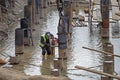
(100, 21)
(108, 53)
(98, 72)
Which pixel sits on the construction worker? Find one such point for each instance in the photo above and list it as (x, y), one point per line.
(44, 43)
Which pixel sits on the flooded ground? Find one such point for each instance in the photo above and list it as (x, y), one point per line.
(32, 63)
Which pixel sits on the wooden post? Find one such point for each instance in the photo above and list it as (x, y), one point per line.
(55, 72)
(41, 9)
(53, 50)
(12, 3)
(19, 34)
(58, 64)
(28, 22)
(31, 4)
(62, 38)
(28, 14)
(15, 59)
(118, 3)
(74, 5)
(41, 3)
(25, 26)
(108, 67)
(0, 14)
(37, 11)
(62, 54)
(45, 3)
(105, 78)
(70, 18)
(3, 6)
(108, 47)
(64, 29)
(105, 18)
(108, 64)
(90, 15)
(33, 14)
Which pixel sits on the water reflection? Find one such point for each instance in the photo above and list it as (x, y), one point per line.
(76, 54)
(47, 65)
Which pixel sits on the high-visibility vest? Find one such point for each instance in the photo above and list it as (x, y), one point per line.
(41, 44)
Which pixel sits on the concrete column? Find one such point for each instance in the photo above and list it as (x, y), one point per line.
(105, 18)
(19, 34)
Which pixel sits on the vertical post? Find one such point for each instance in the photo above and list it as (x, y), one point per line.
(57, 64)
(105, 18)
(33, 13)
(108, 64)
(74, 5)
(41, 9)
(0, 14)
(90, 15)
(24, 25)
(3, 6)
(28, 13)
(118, 3)
(70, 18)
(41, 3)
(19, 41)
(63, 7)
(31, 10)
(37, 11)
(13, 3)
(45, 3)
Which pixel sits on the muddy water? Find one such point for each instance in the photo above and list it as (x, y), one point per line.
(33, 64)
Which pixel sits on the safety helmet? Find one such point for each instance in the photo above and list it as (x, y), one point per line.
(48, 35)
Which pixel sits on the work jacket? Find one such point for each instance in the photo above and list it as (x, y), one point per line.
(43, 41)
